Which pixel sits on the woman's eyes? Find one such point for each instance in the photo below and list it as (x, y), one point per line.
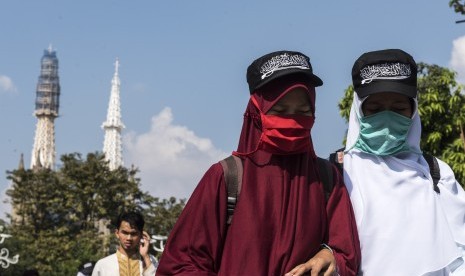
(277, 110)
(399, 109)
(376, 109)
(373, 110)
(306, 112)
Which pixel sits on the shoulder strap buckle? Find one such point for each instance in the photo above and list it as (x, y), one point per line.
(434, 170)
(232, 168)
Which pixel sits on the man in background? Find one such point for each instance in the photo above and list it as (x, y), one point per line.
(132, 256)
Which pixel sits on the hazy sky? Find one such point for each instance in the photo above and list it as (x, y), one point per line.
(182, 71)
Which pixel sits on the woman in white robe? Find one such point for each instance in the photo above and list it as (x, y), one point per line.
(406, 228)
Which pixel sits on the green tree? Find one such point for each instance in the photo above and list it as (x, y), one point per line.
(96, 192)
(59, 211)
(45, 235)
(162, 215)
(441, 106)
(458, 6)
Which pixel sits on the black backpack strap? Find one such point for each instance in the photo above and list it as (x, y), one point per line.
(337, 159)
(433, 170)
(326, 173)
(232, 169)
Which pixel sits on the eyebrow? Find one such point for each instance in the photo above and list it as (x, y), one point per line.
(382, 102)
(130, 232)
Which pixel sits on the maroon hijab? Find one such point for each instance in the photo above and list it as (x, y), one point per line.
(266, 97)
(280, 218)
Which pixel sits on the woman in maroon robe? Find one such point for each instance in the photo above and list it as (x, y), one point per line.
(282, 217)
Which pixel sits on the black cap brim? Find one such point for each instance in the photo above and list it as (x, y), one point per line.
(312, 78)
(387, 86)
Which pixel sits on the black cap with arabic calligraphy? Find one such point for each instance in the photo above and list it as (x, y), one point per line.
(279, 64)
(390, 70)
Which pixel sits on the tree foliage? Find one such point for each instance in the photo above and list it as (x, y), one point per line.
(60, 213)
(441, 107)
(163, 215)
(458, 6)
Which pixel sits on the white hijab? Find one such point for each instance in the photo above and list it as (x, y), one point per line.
(405, 227)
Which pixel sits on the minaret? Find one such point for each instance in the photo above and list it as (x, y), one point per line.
(21, 162)
(113, 125)
(47, 104)
(15, 218)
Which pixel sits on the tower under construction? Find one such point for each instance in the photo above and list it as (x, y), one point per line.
(112, 145)
(46, 110)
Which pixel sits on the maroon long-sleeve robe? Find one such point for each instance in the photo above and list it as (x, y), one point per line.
(280, 220)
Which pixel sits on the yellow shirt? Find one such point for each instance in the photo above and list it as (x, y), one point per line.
(128, 266)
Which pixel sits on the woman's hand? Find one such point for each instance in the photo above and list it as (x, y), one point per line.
(322, 264)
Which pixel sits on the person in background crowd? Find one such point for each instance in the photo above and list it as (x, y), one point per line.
(132, 256)
(86, 269)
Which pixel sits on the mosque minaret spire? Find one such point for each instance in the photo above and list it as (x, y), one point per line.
(46, 110)
(112, 145)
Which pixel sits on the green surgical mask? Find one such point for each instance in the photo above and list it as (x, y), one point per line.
(383, 133)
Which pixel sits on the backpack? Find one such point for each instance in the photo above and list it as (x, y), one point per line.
(233, 170)
(431, 160)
